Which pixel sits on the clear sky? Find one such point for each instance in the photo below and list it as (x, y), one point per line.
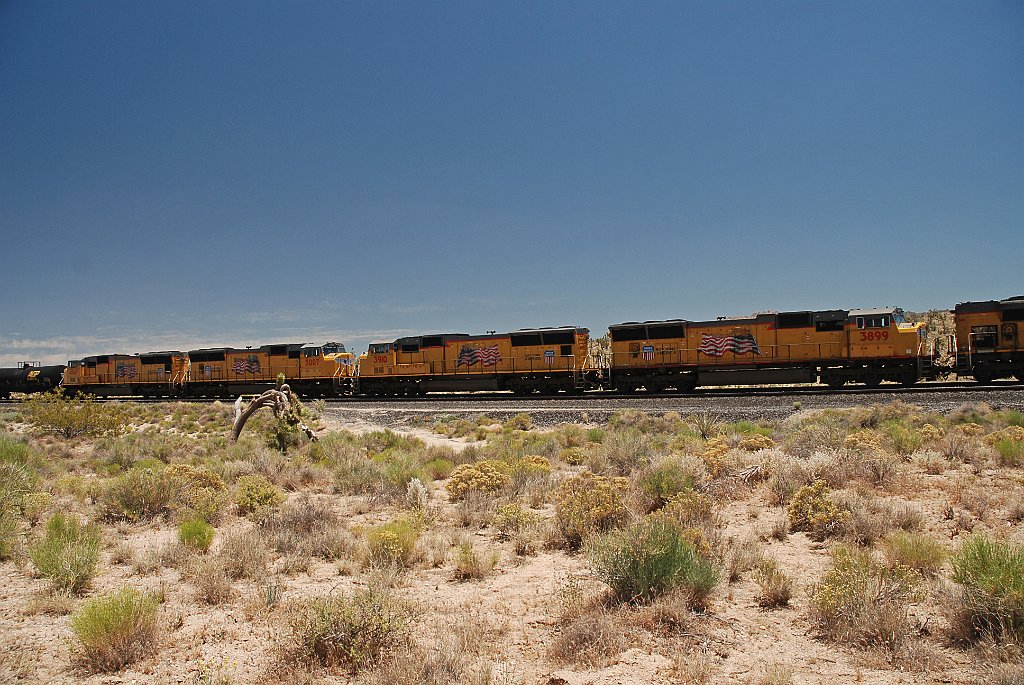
(181, 174)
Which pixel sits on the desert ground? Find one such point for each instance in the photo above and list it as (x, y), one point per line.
(873, 544)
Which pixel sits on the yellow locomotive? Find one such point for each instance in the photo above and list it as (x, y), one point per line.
(153, 374)
(835, 347)
(988, 339)
(545, 360)
(311, 370)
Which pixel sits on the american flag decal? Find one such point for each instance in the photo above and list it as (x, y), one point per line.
(649, 353)
(124, 370)
(487, 356)
(250, 364)
(716, 346)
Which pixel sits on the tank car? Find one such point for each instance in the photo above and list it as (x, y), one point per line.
(988, 339)
(834, 347)
(29, 377)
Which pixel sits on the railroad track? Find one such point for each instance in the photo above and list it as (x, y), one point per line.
(885, 389)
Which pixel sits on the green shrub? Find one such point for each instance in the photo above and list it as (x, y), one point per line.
(9, 536)
(862, 602)
(649, 558)
(354, 631)
(812, 510)
(439, 469)
(626, 450)
(196, 534)
(34, 505)
(473, 565)
(1011, 452)
(67, 554)
(69, 417)
(138, 495)
(915, 551)
(255, 495)
(116, 629)
(664, 479)
(588, 504)
(512, 519)
(991, 574)
(393, 543)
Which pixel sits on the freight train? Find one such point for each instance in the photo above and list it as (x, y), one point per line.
(832, 347)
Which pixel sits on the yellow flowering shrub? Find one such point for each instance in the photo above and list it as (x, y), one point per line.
(862, 441)
(573, 455)
(812, 510)
(714, 453)
(756, 442)
(1013, 433)
(930, 432)
(489, 475)
(587, 504)
(689, 509)
(971, 429)
(513, 518)
(392, 543)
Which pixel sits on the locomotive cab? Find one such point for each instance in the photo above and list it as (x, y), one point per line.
(990, 339)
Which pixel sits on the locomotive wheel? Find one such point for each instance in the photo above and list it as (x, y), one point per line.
(873, 381)
(983, 376)
(909, 380)
(835, 382)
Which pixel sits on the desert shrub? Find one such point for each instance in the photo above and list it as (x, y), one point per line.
(69, 417)
(812, 510)
(863, 603)
(198, 490)
(776, 588)
(196, 534)
(16, 481)
(393, 543)
(901, 438)
(626, 450)
(34, 505)
(439, 468)
(67, 554)
(714, 453)
(1010, 451)
(785, 476)
(914, 551)
(574, 456)
(664, 479)
(512, 519)
(756, 442)
(489, 475)
(741, 555)
(307, 526)
(115, 630)
(521, 422)
(125, 451)
(243, 554)
(824, 431)
(353, 631)
(10, 537)
(139, 494)
(589, 639)
(471, 564)
(210, 578)
(690, 509)
(588, 504)
(257, 496)
(650, 558)
(991, 575)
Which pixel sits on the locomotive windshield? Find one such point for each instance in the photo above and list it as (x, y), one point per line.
(333, 348)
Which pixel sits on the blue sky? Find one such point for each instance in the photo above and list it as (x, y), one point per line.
(180, 174)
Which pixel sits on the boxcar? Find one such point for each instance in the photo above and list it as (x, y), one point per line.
(834, 347)
(988, 339)
(545, 360)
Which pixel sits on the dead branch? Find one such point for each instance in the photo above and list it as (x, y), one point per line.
(282, 402)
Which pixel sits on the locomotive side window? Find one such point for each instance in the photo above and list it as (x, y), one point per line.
(410, 347)
(828, 326)
(666, 331)
(1014, 314)
(559, 338)
(795, 320)
(525, 339)
(311, 352)
(627, 334)
(872, 322)
(984, 336)
(381, 348)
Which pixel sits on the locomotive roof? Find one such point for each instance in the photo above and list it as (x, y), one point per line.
(768, 317)
(874, 312)
(990, 305)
